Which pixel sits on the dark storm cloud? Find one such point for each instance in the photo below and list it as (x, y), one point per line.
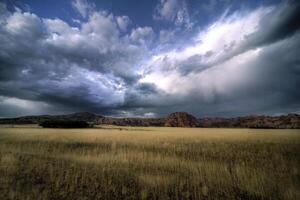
(47, 60)
(277, 25)
(140, 95)
(270, 85)
(49, 66)
(96, 45)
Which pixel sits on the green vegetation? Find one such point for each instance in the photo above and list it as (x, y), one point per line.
(149, 163)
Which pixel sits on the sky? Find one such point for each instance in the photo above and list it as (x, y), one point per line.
(149, 58)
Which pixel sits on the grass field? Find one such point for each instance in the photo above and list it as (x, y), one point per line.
(149, 163)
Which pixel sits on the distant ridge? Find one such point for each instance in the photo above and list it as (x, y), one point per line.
(177, 119)
(84, 116)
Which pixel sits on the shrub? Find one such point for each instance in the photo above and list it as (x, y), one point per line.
(64, 124)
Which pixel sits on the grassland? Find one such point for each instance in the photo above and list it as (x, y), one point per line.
(149, 163)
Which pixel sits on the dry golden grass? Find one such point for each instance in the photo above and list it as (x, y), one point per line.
(148, 163)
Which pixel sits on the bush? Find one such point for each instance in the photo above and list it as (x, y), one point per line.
(64, 124)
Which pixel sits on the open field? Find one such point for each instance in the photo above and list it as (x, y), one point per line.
(149, 163)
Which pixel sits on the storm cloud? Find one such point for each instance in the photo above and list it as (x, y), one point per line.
(244, 62)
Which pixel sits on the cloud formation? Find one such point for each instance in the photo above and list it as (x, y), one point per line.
(237, 65)
(48, 60)
(83, 7)
(174, 11)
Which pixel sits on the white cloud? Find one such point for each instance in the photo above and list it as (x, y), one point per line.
(212, 44)
(102, 28)
(82, 7)
(167, 9)
(142, 35)
(170, 70)
(175, 11)
(24, 25)
(123, 22)
(59, 26)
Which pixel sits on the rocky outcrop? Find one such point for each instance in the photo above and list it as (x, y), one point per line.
(181, 119)
(178, 119)
(283, 121)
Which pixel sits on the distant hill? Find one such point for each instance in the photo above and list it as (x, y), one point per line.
(82, 116)
(177, 119)
(181, 119)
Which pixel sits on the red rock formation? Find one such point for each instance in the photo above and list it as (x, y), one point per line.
(181, 119)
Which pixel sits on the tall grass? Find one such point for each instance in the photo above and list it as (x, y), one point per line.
(149, 163)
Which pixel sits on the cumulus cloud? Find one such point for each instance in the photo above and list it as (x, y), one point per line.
(237, 65)
(87, 67)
